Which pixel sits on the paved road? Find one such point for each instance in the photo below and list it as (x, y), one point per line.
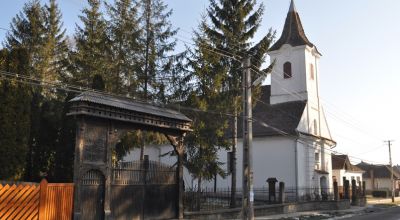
(384, 214)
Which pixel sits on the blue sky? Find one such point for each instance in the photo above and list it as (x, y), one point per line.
(359, 76)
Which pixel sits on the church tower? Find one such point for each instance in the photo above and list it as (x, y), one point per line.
(295, 73)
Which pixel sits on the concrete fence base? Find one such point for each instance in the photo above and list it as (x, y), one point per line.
(270, 210)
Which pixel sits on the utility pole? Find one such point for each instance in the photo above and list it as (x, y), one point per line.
(389, 142)
(233, 160)
(248, 194)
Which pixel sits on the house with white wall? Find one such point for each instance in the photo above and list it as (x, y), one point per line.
(342, 169)
(291, 136)
(378, 177)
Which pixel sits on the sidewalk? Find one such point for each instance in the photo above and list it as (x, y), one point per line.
(373, 201)
(339, 214)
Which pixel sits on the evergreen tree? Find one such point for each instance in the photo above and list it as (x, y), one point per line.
(15, 100)
(158, 43)
(28, 32)
(156, 63)
(64, 156)
(208, 136)
(90, 56)
(124, 34)
(55, 45)
(232, 25)
(38, 30)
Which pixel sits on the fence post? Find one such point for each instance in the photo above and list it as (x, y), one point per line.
(281, 192)
(271, 189)
(346, 189)
(336, 190)
(353, 192)
(42, 199)
(363, 189)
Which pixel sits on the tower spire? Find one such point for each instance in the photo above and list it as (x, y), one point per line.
(292, 6)
(293, 32)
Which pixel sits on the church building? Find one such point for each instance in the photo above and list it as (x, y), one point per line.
(291, 137)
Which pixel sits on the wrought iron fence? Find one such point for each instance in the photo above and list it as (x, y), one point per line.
(213, 199)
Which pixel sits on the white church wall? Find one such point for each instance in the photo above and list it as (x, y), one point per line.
(303, 168)
(272, 157)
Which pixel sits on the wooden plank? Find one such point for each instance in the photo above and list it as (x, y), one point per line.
(42, 199)
(8, 196)
(47, 201)
(33, 202)
(3, 190)
(31, 210)
(59, 201)
(28, 197)
(16, 202)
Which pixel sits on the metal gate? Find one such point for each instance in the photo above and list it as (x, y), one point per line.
(93, 195)
(144, 190)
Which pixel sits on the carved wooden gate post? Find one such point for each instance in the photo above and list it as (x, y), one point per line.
(79, 143)
(112, 139)
(177, 143)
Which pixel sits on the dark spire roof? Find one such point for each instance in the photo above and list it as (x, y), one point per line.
(293, 32)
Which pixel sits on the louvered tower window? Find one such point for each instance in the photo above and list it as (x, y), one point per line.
(287, 70)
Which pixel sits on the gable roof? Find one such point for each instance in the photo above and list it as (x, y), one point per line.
(272, 120)
(342, 162)
(130, 105)
(377, 171)
(293, 32)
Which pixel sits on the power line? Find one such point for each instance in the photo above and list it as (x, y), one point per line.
(74, 88)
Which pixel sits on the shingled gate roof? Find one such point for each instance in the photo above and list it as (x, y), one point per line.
(293, 32)
(130, 105)
(272, 120)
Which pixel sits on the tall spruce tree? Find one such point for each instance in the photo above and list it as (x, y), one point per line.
(232, 27)
(228, 28)
(38, 30)
(91, 54)
(55, 44)
(155, 61)
(15, 100)
(28, 33)
(208, 74)
(157, 45)
(124, 35)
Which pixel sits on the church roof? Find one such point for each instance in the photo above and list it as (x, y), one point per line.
(274, 120)
(293, 32)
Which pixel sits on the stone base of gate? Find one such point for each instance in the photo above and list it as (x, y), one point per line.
(270, 210)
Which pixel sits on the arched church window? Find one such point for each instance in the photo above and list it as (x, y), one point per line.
(312, 71)
(287, 70)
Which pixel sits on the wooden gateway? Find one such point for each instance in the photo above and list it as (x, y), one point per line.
(107, 191)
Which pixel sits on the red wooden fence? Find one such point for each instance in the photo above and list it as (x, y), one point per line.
(47, 201)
